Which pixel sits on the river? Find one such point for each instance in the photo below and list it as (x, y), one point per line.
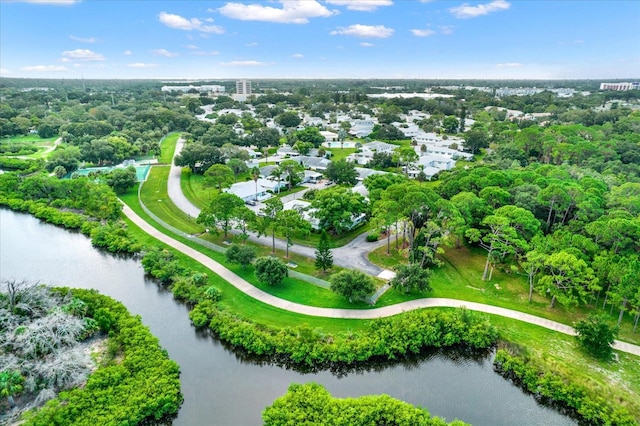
(219, 387)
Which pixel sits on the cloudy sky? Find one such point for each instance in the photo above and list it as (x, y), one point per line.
(547, 39)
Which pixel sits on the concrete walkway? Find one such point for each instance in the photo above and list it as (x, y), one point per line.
(385, 311)
(352, 255)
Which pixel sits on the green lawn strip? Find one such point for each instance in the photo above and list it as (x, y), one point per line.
(294, 190)
(561, 354)
(340, 153)
(247, 306)
(154, 195)
(460, 278)
(193, 188)
(31, 139)
(291, 289)
(168, 147)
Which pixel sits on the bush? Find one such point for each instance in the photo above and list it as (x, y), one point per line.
(373, 237)
(271, 270)
(596, 336)
(241, 254)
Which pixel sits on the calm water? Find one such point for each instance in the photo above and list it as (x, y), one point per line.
(222, 389)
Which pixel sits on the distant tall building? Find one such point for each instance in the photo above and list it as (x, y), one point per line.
(243, 87)
(620, 86)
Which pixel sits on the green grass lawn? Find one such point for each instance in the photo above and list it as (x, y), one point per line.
(35, 139)
(341, 153)
(168, 147)
(460, 278)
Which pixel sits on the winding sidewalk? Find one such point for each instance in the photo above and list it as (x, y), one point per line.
(385, 311)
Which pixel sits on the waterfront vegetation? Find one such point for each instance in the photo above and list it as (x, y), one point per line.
(49, 334)
(311, 403)
(550, 200)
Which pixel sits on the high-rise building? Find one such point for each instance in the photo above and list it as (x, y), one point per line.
(243, 87)
(620, 86)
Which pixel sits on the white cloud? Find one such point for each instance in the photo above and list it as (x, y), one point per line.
(292, 11)
(127, 53)
(83, 39)
(53, 2)
(203, 53)
(192, 47)
(297, 55)
(255, 43)
(365, 44)
(509, 65)
(164, 52)
(180, 23)
(4, 71)
(142, 65)
(244, 64)
(422, 33)
(365, 31)
(82, 55)
(361, 5)
(467, 11)
(45, 68)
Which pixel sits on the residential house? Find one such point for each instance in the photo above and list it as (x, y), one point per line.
(366, 153)
(251, 191)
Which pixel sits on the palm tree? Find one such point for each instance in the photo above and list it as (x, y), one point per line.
(277, 172)
(255, 175)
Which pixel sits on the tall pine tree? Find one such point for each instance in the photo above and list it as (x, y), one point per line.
(324, 257)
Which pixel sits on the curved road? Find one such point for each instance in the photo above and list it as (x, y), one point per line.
(385, 311)
(351, 255)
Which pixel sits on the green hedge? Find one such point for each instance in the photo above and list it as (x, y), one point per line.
(311, 404)
(588, 404)
(143, 387)
(386, 338)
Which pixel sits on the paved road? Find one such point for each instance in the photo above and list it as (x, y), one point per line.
(386, 311)
(352, 255)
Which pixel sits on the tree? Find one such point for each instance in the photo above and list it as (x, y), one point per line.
(268, 220)
(219, 176)
(288, 119)
(596, 336)
(67, 157)
(450, 124)
(407, 156)
(475, 139)
(198, 157)
(342, 172)
(238, 166)
(221, 211)
(324, 257)
(291, 223)
(264, 137)
(310, 135)
(352, 284)
(294, 172)
(240, 254)
(121, 179)
(277, 173)
(411, 277)
(336, 208)
(566, 278)
(270, 270)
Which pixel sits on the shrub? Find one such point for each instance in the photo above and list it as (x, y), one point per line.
(270, 270)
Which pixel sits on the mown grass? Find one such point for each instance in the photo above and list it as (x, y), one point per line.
(561, 354)
(30, 139)
(292, 289)
(155, 197)
(341, 153)
(460, 278)
(168, 147)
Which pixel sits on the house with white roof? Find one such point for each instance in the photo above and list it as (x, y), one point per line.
(329, 136)
(259, 190)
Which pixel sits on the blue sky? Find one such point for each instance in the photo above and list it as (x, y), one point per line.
(489, 39)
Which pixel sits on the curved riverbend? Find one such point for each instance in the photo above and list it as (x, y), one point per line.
(221, 387)
(385, 311)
